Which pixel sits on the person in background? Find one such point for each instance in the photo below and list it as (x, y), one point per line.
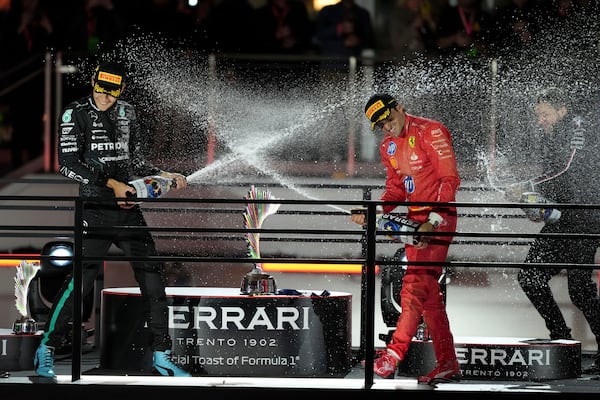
(421, 167)
(105, 26)
(517, 26)
(464, 29)
(344, 29)
(229, 27)
(413, 26)
(284, 27)
(560, 13)
(100, 147)
(569, 156)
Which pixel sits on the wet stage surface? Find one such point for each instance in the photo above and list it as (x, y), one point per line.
(99, 383)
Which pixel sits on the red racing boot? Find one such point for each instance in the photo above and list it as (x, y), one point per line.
(386, 365)
(448, 371)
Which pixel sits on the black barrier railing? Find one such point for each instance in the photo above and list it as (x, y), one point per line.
(366, 240)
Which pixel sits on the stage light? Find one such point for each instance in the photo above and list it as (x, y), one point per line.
(57, 255)
(319, 4)
(56, 260)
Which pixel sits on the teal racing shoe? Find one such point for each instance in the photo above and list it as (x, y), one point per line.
(43, 361)
(165, 366)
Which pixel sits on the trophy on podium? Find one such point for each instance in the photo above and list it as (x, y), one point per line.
(256, 282)
(25, 273)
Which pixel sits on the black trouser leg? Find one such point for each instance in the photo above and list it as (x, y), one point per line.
(534, 282)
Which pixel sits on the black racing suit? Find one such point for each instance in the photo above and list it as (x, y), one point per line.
(570, 157)
(93, 147)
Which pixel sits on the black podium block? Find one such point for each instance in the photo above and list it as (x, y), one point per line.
(221, 332)
(501, 358)
(17, 351)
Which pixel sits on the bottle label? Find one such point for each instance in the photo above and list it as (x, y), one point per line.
(548, 215)
(402, 228)
(151, 187)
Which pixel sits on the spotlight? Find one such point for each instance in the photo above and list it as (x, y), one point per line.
(57, 255)
(56, 260)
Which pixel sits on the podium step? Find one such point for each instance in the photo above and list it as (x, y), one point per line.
(501, 358)
(16, 351)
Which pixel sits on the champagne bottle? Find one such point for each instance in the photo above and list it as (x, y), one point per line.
(547, 214)
(152, 187)
(401, 229)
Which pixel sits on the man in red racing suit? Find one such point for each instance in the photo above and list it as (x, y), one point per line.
(421, 167)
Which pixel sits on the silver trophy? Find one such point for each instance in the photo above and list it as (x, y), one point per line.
(26, 271)
(25, 326)
(256, 282)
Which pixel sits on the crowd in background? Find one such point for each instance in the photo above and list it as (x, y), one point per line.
(399, 28)
(282, 26)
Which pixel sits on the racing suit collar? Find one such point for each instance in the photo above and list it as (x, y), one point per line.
(91, 101)
(407, 121)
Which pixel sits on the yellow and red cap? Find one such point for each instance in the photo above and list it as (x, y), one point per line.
(109, 78)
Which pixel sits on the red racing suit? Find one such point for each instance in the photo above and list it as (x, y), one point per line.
(421, 167)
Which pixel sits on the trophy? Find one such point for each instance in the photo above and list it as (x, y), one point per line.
(25, 273)
(256, 282)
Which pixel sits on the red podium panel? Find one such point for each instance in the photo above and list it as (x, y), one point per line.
(221, 332)
(502, 358)
(17, 351)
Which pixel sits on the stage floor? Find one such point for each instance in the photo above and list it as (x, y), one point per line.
(94, 382)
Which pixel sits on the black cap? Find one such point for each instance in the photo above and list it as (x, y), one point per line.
(378, 107)
(109, 78)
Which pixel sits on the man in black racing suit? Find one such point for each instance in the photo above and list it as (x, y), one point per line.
(569, 157)
(100, 146)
